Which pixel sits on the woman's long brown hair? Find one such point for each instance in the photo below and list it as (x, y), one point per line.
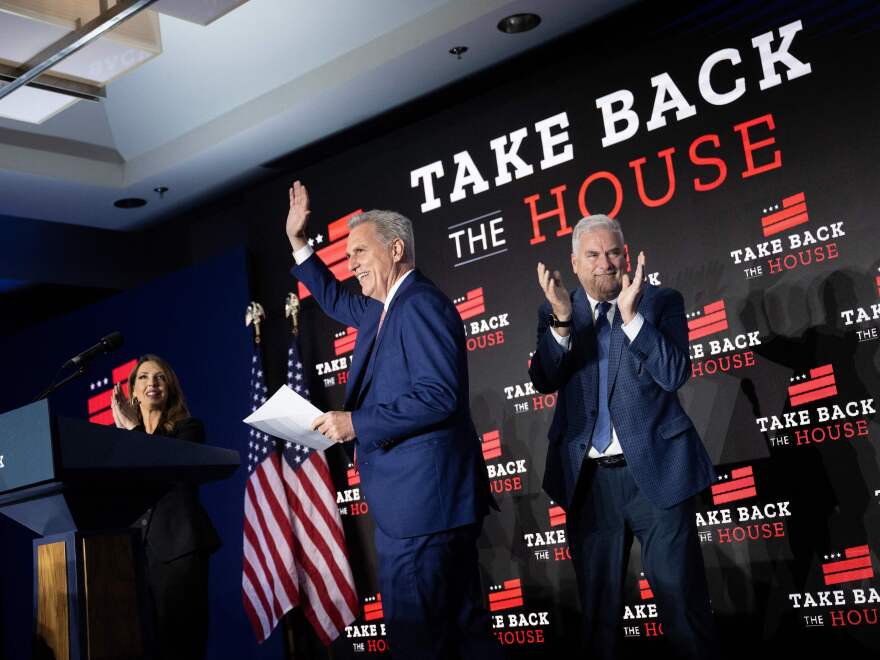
(175, 405)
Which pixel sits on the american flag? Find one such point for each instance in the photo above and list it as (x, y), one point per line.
(294, 547)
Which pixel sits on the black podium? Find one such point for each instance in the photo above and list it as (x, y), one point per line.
(82, 488)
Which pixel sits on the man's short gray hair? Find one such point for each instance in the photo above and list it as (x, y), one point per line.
(592, 223)
(390, 225)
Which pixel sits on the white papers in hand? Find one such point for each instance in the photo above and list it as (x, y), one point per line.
(288, 416)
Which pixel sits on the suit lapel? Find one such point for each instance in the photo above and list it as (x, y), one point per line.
(584, 341)
(363, 351)
(384, 330)
(615, 349)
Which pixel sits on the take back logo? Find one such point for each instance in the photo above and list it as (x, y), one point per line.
(798, 249)
(641, 619)
(526, 398)
(349, 501)
(829, 422)
(749, 520)
(335, 371)
(841, 607)
(522, 628)
(505, 476)
(551, 543)
(865, 319)
(370, 636)
(717, 351)
(481, 331)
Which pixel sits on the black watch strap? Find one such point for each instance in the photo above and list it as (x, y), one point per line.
(556, 323)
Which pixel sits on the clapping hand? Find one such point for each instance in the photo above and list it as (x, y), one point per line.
(124, 414)
(555, 292)
(628, 299)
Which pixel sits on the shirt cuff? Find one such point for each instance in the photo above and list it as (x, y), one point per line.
(565, 342)
(631, 329)
(302, 254)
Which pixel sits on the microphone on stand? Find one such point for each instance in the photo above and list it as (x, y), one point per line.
(106, 344)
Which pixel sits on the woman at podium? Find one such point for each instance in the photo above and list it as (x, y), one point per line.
(178, 535)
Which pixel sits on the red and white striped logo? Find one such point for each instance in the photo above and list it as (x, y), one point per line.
(818, 384)
(373, 608)
(491, 445)
(712, 318)
(792, 213)
(470, 305)
(741, 485)
(856, 565)
(506, 596)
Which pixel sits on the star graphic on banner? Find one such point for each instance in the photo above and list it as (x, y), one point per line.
(319, 239)
(311, 242)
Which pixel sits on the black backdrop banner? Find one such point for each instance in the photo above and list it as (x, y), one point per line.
(739, 156)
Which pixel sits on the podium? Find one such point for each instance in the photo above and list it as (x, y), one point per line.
(82, 488)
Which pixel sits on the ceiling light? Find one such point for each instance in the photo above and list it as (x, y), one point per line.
(516, 23)
(130, 203)
(458, 51)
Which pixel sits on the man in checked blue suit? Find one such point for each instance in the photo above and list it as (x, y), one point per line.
(624, 458)
(407, 408)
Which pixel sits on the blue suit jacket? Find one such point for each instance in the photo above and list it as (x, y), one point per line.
(662, 448)
(421, 466)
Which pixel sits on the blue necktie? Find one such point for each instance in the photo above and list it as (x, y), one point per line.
(601, 439)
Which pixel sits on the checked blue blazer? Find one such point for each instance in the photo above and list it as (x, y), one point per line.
(663, 450)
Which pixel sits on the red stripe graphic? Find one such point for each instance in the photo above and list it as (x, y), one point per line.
(712, 319)
(508, 597)
(99, 401)
(333, 255)
(793, 213)
(856, 566)
(105, 418)
(557, 516)
(491, 445)
(345, 344)
(741, 486)
(373, 610)
(473, 304)
(645, 589)
(122, 372)
(353, 475)
(878, 285)
(820, 385)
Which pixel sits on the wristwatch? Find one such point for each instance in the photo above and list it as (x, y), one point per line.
(556, 323)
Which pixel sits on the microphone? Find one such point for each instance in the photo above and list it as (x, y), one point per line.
(105, 345)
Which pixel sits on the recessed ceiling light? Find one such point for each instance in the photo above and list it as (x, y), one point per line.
(130, 203)
(458, 51)
(516, 23)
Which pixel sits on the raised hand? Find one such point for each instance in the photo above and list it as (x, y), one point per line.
(555, 292)
(124, 414)
(298, 215)
(628, 300)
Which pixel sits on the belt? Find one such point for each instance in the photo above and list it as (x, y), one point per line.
(615, 461)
